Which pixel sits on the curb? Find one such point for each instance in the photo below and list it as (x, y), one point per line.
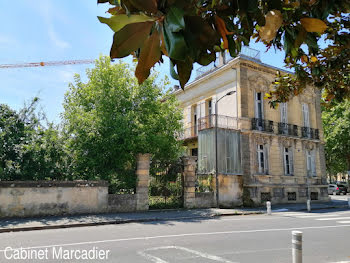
(122, 221)
(143, 220)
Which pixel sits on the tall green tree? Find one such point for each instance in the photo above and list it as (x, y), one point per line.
(111, 118)
(336, 123)
(29, 148)
(192, 31)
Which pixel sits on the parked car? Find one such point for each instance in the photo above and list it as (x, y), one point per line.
(337, 189)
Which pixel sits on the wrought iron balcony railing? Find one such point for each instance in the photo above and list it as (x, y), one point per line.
(262, 125)
(287, 129)
(310, 133)
(284, 129)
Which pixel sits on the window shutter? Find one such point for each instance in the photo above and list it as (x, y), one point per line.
(306, 115)
(313, 163)
(291, 161)
(284, 113)
(213, 105)
(256, 104)
(266, 159)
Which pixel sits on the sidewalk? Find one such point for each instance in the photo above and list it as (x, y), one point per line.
(54, 222)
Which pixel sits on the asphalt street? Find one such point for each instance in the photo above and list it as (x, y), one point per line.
(254, 238)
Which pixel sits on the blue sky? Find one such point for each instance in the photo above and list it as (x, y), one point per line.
(51, 30)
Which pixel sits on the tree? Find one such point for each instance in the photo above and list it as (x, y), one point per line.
(336, 122)
(110, 119)
(192, 31)
(29, 150)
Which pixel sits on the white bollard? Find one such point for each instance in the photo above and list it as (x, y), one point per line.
(268, 207)
(308, 204)
(349, 202)
(297, 246)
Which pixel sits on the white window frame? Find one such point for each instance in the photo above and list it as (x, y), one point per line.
(257, 102)
(262, 152)
(306, 115)
(284, 112)
(284, 117)
(288, 161)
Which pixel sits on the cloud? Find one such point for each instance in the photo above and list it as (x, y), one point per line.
(56, 39)
(46, 10)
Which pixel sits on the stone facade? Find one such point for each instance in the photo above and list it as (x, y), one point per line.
(287, 140)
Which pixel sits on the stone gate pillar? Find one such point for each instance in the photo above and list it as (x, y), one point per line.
(189, 181)
(142, 173)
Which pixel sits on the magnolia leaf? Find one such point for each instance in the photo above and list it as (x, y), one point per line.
(205, 58)
(175, 43)
(184, 69)
(117, 22)
(145, 5)
(273, 21)
(175, 19)
(150, 55)
(129, 38)
(313, 59)
(300, 38)
(162, 46)
(304, 59)
(220, 24)
(112, 2)
(173, 73)
(313, 25)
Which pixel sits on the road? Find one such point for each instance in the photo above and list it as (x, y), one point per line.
(255, 238)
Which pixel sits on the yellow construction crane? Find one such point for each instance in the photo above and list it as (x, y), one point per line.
(49, 63)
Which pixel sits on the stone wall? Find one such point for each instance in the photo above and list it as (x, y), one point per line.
(21, 199)
(121, 203)
(205, 200)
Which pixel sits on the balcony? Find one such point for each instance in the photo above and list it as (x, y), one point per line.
(208, 122)
(287, 129)
(284, 129)
(246, 52)
(224, 122)
(262, 125)
(310, 133)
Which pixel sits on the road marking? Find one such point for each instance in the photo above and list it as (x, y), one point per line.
(343, 222)
(184, 235)
(197, 253)
(335, 218)
(315, 216)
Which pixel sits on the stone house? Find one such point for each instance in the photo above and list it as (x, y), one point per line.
(263, 153)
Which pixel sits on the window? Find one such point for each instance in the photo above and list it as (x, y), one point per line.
(258, 106)
(310, 163)
(284, 118)
(210, 112)
(210, 106)
(194, 119)
(306, 116)
(288, 161)
(262, 159)
(194, 152)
